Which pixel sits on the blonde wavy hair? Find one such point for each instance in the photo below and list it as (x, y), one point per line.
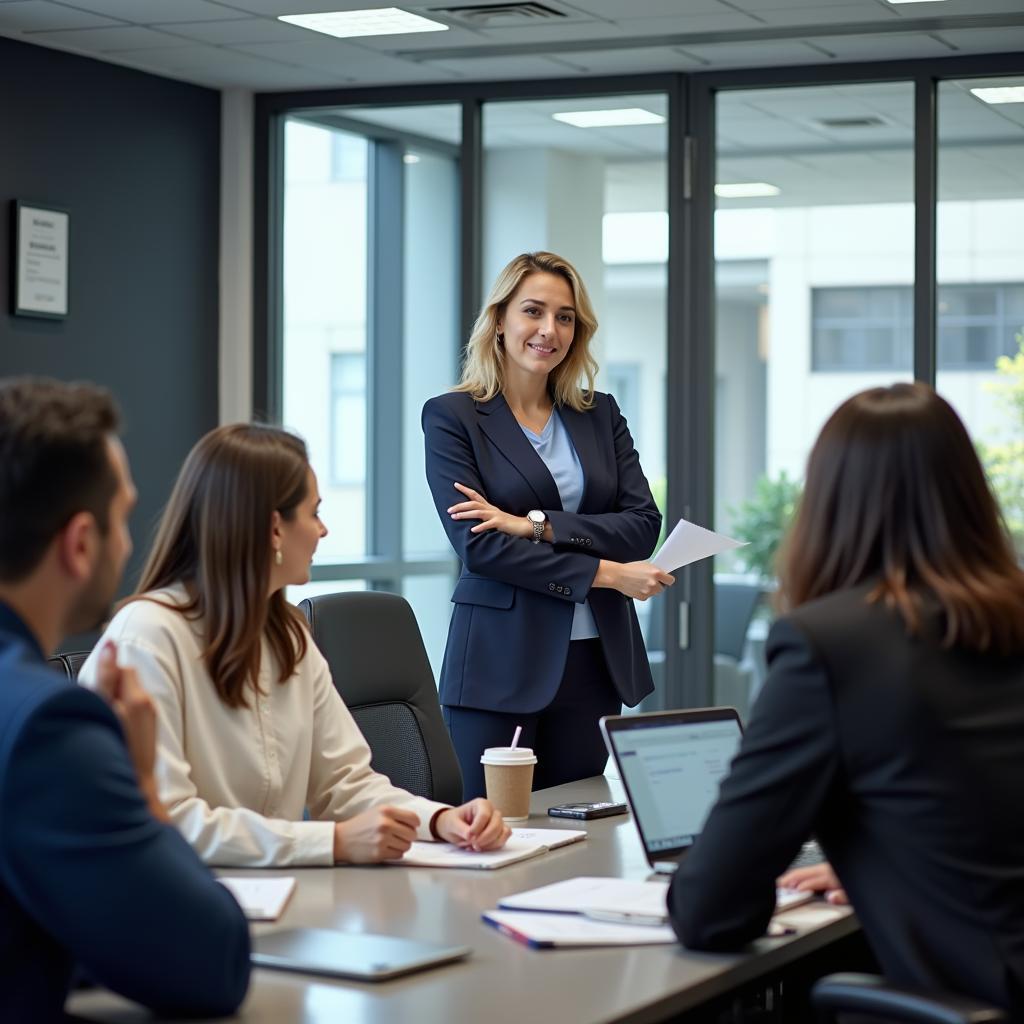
(571, 383)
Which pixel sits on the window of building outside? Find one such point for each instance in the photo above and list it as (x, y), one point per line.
(872, 328)
(371, 223)
(814, 270)
(596, 195)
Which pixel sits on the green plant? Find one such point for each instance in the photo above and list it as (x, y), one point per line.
(762, 522)
(1004, 462)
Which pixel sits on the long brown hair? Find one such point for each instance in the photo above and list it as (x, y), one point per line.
(571, 382)
(895, 494)
(214, 537)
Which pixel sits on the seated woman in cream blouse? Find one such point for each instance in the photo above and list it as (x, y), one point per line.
(251, 730)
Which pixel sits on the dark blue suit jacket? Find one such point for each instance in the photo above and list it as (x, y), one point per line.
(87, 875)
(509, 634)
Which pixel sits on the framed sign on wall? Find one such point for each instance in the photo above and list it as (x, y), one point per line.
(41, 261)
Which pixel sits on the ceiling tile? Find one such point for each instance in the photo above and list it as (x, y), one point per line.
(101, 40)
(149, 12)
(335, 55)
(220, 68)
(617, 9)
(846, 13)
(237, 30)
(273, 8)
(36, 15)
(986, 40)
(760, 7)
(625, 62)
(883, 47)
(492, 68)
(724, 55)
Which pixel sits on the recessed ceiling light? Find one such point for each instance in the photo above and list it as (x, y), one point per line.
(609, 118)
(746, 190)
(385, 21)
(410, 158)
(1001, 94)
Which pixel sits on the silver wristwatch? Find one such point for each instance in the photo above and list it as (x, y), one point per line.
(538, 519)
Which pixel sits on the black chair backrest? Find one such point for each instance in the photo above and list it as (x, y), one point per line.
(734, 608)
(69, 663)
(375, 652)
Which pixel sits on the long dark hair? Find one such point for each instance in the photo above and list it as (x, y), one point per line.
(214, 537)
(895, 494)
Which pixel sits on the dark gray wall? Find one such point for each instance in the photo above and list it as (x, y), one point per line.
(136, 160)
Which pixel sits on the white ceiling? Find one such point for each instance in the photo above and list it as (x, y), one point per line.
(240, 44)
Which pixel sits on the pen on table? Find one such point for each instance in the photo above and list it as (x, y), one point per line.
(513, 933)
(624, 917)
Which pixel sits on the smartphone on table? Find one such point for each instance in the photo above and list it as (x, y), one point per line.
(586, 811)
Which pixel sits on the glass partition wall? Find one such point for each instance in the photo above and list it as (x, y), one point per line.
(370, 313)
(814, 277)
(586, 178)
(759, 245)
(981, 275)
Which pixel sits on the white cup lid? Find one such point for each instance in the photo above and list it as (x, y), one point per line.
(508, 755)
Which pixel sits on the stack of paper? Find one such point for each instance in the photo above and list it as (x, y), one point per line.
(590, 911)
(523, 844)
(547, 931)
(262, 899)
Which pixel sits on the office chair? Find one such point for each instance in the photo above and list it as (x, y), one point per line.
(375, 652)
(69, 663)
(868, 997)
(735, 604)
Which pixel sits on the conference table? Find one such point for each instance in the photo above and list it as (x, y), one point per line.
(502, 980)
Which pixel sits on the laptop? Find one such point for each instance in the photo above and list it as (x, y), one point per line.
(671, 764)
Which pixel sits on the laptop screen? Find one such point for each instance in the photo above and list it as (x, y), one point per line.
(671, 766)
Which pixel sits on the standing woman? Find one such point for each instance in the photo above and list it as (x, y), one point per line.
(540, 491)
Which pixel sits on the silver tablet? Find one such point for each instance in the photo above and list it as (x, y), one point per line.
(348, 954)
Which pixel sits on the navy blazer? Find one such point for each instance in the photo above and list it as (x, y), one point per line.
(87, 875)
(509, 634)
(906, 759)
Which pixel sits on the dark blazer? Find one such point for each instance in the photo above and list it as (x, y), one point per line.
(87, 875)
(906, 760)
(509, 634)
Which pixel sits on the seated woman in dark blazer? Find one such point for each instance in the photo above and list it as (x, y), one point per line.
(892, 721)
(540, 490)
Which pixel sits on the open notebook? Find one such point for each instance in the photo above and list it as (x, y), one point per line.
(262, 899)
(522, 844)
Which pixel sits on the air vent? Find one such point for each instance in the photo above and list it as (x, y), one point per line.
(500, 15)
(851, 122)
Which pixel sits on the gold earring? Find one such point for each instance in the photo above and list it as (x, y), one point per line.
(278, 557)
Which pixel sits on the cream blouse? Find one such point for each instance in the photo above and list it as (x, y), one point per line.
(236, 780)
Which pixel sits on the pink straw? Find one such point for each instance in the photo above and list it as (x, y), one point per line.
(515, 739)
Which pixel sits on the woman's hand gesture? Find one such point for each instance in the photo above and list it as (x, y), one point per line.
(491, 517)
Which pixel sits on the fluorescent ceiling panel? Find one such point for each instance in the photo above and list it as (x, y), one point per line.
(385, 21)
(609, 118)
(1000, 94)
(746, 190)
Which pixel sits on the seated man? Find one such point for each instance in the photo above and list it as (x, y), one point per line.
(90, 875)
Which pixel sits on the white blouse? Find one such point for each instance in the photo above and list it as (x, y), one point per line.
(235, 781)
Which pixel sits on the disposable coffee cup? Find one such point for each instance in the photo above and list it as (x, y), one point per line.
(508, 773)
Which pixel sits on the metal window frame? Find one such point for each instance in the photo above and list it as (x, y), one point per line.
(688, 607)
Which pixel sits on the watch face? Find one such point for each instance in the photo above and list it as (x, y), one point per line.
(535, 516)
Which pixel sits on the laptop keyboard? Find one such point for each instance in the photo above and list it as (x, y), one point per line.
(810, 854)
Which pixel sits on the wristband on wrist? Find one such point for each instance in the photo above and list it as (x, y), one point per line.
(433, 823)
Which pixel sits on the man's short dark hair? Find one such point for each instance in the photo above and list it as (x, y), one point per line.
(54, 463)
